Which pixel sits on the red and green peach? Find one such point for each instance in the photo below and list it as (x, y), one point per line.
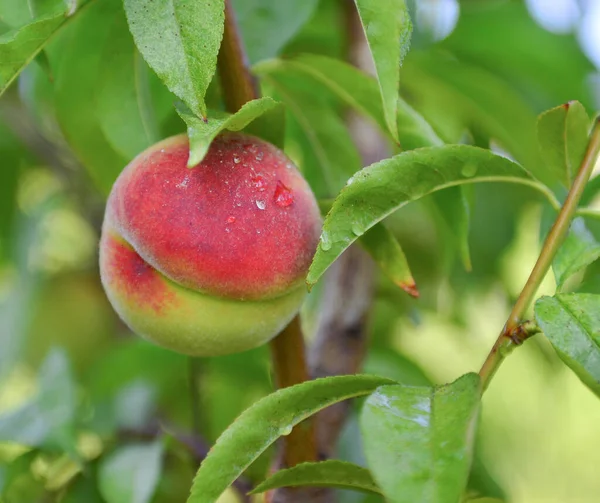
(209, 260)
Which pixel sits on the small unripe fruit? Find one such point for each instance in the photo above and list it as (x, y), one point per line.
(210, 260)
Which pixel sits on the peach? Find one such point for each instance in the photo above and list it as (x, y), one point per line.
(210, 260)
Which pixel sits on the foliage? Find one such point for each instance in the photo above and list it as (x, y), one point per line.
(481, 136)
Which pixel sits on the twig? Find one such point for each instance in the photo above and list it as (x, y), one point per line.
(505, 342)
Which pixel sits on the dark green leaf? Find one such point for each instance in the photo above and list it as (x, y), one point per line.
(263, 423)
(124, 105)
(563, 137)
(180, 40)
(383, 246)
(579, 250)
(418, 440)
(131, 473)
(572, 324)
(266, 25)
(382, 188)
(20, 46)
(330, 473)
(388, 29)
(48, 417)
(202, 132)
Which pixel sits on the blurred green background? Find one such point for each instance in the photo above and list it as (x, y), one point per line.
(82, 399)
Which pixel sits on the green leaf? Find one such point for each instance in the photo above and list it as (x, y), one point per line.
(359, 91)
(388, 29)
(131, 473)
(75, 57)
(18, 47)
(380, 189)
(180, 40)
(383, 246)
(563, 136)
(266, 26)
(330, 473)
(47, 419)
(579, 250)
(202, 132)
(263, 423)
(572, 324)
(124, 106)
(418, 440)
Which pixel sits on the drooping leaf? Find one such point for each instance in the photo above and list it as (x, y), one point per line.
(266, 25)
(18, 47)
(382, 188)
(330, 473)
(579, 250)
(418, 440)
(572, 324)
(131, 473)
(563, 137)
(359, 91)
(268, 419)
(124, 105)
(46, 419)
(202, 132)
(180, 41)
(75, 58)
(388, 29)
(387, 253)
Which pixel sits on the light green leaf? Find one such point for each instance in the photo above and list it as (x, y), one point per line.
(579, 250)
(202, 132)
(18, 47)
(572, 324)
(48, 417)
(124, 106)
(563, 136)
(418, 440)
(383, 246)
(266, 26)
(263, 423)
(388, 29)
(380, 189)
(180, 40)
(131, 473)
(330, 473)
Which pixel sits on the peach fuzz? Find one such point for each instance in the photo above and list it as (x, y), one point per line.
(209, 260)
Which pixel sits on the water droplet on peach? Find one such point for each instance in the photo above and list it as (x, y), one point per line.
(259, 182)
(230, 219)
(261, 205)
(259, 156)
(283, 196)
(236, 159)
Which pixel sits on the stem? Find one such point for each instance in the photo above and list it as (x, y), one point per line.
(237, 83)
(289, 366)
(287, 349)
(507, 338)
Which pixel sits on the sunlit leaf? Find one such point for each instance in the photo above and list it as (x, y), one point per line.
(418, 440)
(382, 188)
(180, 40)
(572, 324)
(131, 473)
(563, 137)
(388, 29)
(202, 132)
(330, 473)
(263, 423)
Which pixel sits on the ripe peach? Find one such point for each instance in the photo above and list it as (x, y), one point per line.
(209, 260)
